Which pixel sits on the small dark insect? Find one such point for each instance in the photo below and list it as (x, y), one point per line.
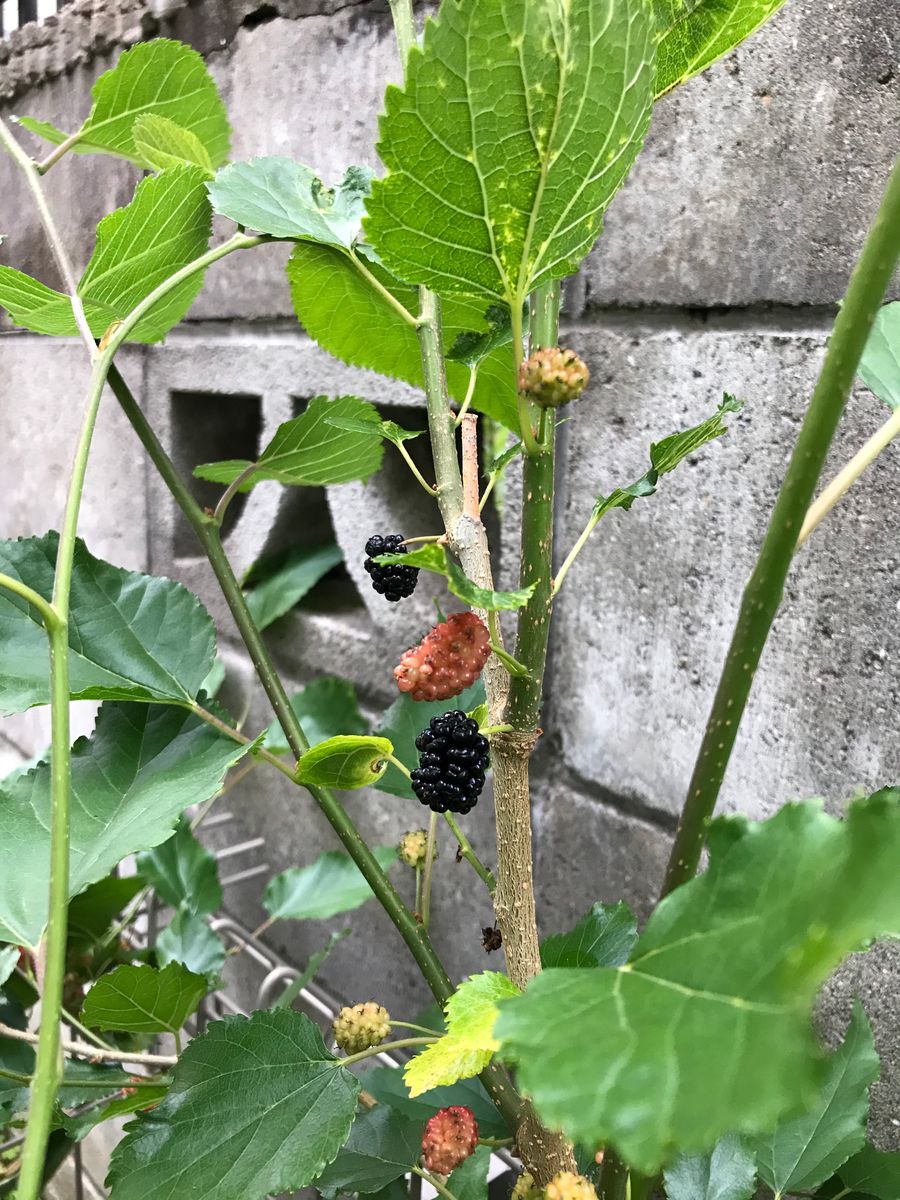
(491, 938)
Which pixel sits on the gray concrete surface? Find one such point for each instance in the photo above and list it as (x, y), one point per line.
(723, 262)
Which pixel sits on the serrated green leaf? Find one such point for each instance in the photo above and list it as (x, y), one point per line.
(161, 78)
(604, 937)
(287, 200)
(666, 455)
(879, 367)
(432, 557)
(339, 307)
(804, 1152)
(694, 33)
(131, 636)
(261, 1097)
(166, 226)
(92, 913)
(325, 707)
(332, 884)
(516, 125)
(183, 872)
(297, 575)
(345, 762)
(309, 451)
(387, 1086)
(139, 770)
(160, 143)
(726, 972)
(140, 999)
(389, 430)
(727, 1173)
(470, 1179)
(469, 1043)
(80, 1125)
(383, 1146)
(473, 346)
(874, 1173)
(405, 720)
(188, 940)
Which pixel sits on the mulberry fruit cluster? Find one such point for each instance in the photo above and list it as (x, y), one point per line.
(447, 661)
(453, 757)
(450, 1136)
(413, 846)
(361, 1026)
(569, 1186)
(394, 582)
(553, 377)
(525, 1188)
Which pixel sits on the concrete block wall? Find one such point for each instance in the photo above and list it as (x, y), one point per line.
(722, 264)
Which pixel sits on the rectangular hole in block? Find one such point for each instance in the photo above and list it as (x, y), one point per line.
(209, 427)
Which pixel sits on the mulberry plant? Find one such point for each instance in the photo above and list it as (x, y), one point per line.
(608, 1062)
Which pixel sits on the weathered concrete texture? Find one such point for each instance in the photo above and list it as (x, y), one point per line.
(759, 178)
(644, 617)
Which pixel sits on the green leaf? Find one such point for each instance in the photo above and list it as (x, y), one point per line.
(480, 714)
(311, 970)
(345, 762)
(183, 872)
(402, 724)
(339, 307)
(9, 957)
(694, 33)
(131, 636)
(383, 1146)
(469, 1043)
(470, 1180)
(287, 200)
(516, 126)
(604, 937)
(473, 346)
(80, 1125)
(165, 227)
(263, 1100)
(389, 430)
(879, 368)
(92, 913)
(727, 1173)
(387, 1086)
(140, 769)
(726, 972)
(432, 557)
(309, 451)
(297, 575)
(140, 999)
(807, 1150)
(188, 940)
(161, 143)
(325, 707)
(666, 455)
(160, 78)
(874, 1173)
(332, 884)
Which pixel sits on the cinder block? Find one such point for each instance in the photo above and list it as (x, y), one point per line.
(644, 617)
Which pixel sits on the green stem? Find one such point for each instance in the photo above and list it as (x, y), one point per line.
(223, 727)
(573, 553)
(385, 1047)
(613, 1177)
(48, 613)
(429, 867)
(439, 1187)
(415, 937)
(465, 848)
(415, 1028)
(419, 477)
(440, 415)
(87, 1034)
(640, 1187)
(470, 392)
(55, 155)
(765, 588)
(400, 309)
(529, 443)
(231, 491)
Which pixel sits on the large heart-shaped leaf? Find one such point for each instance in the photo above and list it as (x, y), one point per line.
(165, 227)
(161, 78)
(807, 1150)
(707, 1028)
(309, 450)
(694, 33)
(141, 768)
(356, 321)
(140, 999)
(183, 872)
(517, 123)
(131, 636)
(332, 884)
(257, 1106)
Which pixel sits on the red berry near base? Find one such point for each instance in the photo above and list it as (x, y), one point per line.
(447, 660)
(451, 1135)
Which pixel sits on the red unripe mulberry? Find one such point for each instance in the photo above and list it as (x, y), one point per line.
(451, 1135)
(447, 660)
